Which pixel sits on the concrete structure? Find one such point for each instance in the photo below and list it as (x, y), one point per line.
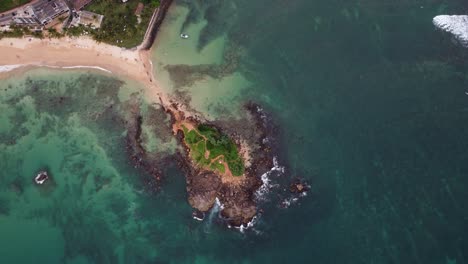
(79, 4)
(46, 10)
(37, 13)
(87, 18)
(24, 16)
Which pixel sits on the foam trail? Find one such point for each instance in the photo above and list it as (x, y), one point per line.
(197, 218)
(77, 67)
(250, 224)
(87, 67)
(217, 207)
(7, 68)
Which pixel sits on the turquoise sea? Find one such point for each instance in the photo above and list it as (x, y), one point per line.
(371, 107)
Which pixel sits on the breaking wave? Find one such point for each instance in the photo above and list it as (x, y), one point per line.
(262, 193)
(215, 211)
(7, 68)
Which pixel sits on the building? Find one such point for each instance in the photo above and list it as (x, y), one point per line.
(36, 14)
(24, 16)
(79, 4)
(87, 18)
(46, 10)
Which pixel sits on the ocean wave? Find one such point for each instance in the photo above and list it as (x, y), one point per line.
(215, 210)
(76, 67)
(267, 185)
(262, 114)
(7, 68)
(249, 225)
(455, 25)
(197, 218)
(286, 203)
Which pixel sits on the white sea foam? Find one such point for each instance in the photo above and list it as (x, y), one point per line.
(198, 218)
(250, 224)
(456, 25)
(218, 204)
(262, 114)
(286, 203)
(87, 67)
(77, 67)
(7, 68)
(216, 210)
(261, 193)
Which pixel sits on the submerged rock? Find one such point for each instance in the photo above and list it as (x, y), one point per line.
(457, 25)
(41, 177)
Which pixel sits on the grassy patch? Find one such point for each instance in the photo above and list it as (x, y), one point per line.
(120, 26)
(209, 138)
(218, 166)
(6, 5)
(193, 137)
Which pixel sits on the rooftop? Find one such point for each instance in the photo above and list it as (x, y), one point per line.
(46, 10)
(87, 18)
(79, 4)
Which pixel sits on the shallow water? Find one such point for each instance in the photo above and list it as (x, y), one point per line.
(96, 208)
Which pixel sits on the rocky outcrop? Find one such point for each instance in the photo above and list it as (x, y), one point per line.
(237, 196)
(457, 25)
(203, 189)
(238, 202)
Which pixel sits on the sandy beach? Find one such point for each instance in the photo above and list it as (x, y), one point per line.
(17, 55)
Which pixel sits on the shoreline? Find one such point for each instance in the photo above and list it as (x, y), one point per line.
(82, 52)
(19, 55)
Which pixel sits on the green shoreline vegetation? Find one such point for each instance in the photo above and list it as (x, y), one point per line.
(6, 5)
(221, 149)
(120, 26)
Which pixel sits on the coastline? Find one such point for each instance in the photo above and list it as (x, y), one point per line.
(19, 55)
(73, 52)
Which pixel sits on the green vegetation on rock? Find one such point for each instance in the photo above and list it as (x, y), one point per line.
(220, 147)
